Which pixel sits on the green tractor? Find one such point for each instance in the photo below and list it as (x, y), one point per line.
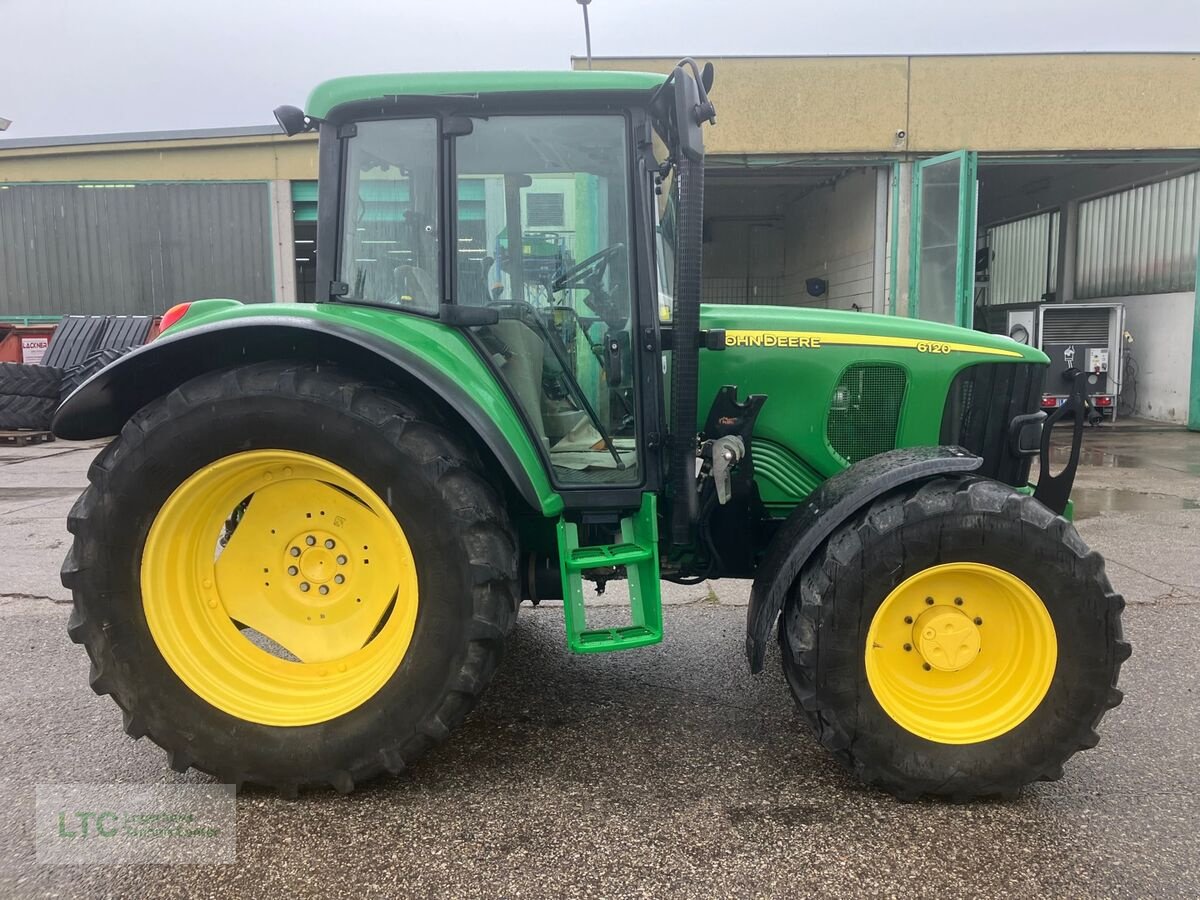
(297, 562)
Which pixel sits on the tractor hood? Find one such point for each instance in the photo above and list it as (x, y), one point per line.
(788, 328)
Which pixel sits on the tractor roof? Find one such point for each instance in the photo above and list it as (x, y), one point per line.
(377, 87)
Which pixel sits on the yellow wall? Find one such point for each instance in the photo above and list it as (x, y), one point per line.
(990, 103)
(798, 105)
(257, 158)
(1084, 102)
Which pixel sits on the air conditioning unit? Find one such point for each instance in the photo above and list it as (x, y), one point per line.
(1086, 337)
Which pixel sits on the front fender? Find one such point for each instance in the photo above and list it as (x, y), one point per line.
(371, 343)
(810, 523)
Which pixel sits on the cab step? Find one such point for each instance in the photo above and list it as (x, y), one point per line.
(638, 553)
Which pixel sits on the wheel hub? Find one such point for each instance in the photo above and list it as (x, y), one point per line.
(947, 638)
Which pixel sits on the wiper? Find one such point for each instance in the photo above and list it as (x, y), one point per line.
(576, 389)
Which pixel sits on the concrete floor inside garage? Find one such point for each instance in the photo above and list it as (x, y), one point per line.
(663, 770)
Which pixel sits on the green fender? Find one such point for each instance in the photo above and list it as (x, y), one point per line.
(380, 343)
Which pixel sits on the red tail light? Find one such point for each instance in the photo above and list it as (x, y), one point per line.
(1102, 400)
(1049, 401)
(173, 315)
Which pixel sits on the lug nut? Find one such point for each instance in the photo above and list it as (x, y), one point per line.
(341, 560)
(329, 543)
(292, 570)
(338, 579)
(295, 551)
(324, 589)
(304, 586)
(310, 540)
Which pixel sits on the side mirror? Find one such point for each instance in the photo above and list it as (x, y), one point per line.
(706, 77)
(292, 120)
(687, 101)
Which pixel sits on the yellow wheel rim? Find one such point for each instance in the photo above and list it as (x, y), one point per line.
(317, 571)
(961, 653)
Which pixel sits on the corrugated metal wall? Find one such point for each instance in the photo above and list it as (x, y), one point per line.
(1139, 241)
(1024, 263)
(131, 248)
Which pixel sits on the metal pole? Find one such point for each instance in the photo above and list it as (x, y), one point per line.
(587, 30)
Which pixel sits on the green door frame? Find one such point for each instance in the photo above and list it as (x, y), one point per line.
(964, 269)
(1194, 390)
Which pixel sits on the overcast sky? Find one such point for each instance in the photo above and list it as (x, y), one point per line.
(95, 66)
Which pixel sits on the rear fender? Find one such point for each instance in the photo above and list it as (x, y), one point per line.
(810, 523)
(451, 371)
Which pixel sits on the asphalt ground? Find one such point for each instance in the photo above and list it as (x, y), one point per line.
(666, 771)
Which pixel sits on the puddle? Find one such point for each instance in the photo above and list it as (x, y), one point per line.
(1091, 502)
(1099, 459)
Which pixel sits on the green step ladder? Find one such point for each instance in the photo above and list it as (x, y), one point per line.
(638, 552)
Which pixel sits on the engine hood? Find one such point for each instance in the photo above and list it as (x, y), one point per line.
(791, 327)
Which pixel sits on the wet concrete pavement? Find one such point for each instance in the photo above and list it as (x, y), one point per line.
(663, 771)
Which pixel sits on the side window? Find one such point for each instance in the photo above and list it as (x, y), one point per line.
(544, 237)
(664, 244)
(389, 249)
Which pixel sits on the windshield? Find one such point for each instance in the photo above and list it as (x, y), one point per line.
(543, 236)
(389, 252)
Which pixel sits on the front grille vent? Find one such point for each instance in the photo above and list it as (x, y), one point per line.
(1064, 325)
(864, 411)
(982, 402)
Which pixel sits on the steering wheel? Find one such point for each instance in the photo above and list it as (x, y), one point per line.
(589, 275)
(591, 271)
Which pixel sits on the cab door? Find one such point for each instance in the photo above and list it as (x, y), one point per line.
(942, 239)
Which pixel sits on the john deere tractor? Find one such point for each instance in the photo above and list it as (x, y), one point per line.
(298, 560)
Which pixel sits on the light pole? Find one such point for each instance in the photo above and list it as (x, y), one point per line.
(587, 30)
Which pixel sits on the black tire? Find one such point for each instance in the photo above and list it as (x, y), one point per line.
(461, 540)
(30, 381)
(26, 412)
(829, 610)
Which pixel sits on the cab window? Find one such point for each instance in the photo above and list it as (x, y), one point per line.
(543, 235)
(389, 248)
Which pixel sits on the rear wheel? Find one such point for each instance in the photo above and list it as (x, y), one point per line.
(286, 577)
(956, 638)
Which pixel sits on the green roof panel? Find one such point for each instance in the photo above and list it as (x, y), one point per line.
(337, 91)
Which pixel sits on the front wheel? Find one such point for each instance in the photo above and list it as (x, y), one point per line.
(288, 577)
(956, 638)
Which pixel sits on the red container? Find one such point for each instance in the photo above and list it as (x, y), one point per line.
(24, 343)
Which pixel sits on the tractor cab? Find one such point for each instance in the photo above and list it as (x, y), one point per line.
(526, 215)
(531, 217)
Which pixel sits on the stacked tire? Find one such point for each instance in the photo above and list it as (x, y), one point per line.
(28, 396)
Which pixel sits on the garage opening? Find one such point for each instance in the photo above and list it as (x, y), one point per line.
(1094, 261)
(809, 236)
